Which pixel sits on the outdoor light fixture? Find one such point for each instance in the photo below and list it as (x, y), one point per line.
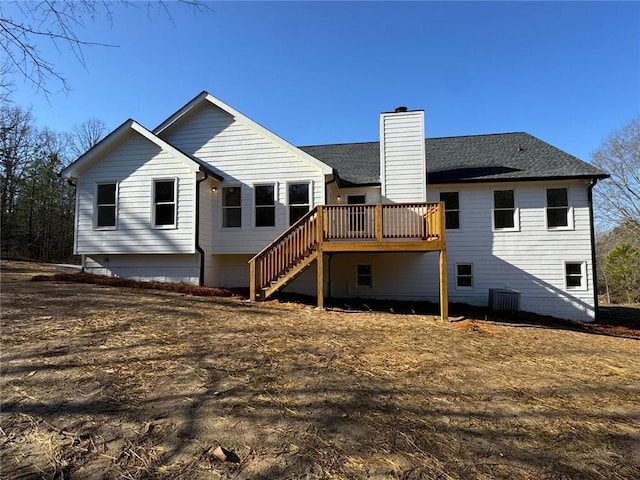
(214, 189)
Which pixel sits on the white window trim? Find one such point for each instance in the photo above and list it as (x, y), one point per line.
(221, 206)
(516, 213)
(459, 287)
(95, 205)
(583, 275)
(460, 224)
(275, 186)
(356, 276)
(294, 182)
(174, 225)
(570, 219)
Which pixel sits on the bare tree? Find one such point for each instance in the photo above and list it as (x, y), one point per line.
(618, 198)
(85, 135)
(59, 21)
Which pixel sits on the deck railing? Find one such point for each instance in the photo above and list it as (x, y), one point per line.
(344, 223)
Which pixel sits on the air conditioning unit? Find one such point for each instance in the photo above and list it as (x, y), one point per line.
(504, 300)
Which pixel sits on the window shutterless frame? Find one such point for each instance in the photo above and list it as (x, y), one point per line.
(558, 211)
(451, 209)
(505, 214)
(364, 275)
(231, 206)
(105, 206)
(299, 199)
(264, 205)
(575, 275)
(164, 205)
(464, 276)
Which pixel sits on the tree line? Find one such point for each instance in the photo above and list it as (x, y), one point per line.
(37, 207)
(618, 207)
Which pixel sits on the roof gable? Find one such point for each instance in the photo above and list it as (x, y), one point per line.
(476, 158)
(115, 138)
(206, 97)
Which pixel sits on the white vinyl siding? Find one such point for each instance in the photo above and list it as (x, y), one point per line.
(146, 268)
(133, 164)
(246, 157)
(402, 157)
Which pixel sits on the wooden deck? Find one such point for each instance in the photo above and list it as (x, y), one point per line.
(397, 227)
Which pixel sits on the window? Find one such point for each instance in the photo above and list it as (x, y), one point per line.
(164, 203)
(356, 215)
(451, 209)
(557, 207)
(504, 209)
(364, 275)
(574, 273)
(105, 209)
(231, 207)
(298, 201)
(265, 205)
(464, 275)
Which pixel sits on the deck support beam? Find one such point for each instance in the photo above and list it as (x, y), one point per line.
(320, 278)
(444, 295)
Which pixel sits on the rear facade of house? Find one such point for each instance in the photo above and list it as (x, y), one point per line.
(198, 197)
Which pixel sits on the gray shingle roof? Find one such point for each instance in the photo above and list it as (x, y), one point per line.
(477, 158)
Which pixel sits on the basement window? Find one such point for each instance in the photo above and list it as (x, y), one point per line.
(464, 275)
(575, 275)
(105, 210)
(364, 275)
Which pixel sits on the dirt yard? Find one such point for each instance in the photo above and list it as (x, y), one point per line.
(106, 382)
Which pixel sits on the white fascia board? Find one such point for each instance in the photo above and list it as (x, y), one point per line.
(113, 139)
(205, 96)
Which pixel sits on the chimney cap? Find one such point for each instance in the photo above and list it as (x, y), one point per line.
(401, 108)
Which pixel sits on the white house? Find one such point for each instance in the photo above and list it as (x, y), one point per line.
(207, 191)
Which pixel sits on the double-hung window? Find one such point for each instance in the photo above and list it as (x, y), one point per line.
(557, 208)
(364, 275)
(299, 201)
(231, 207)
(265, 205)
(575, 275)
(451, 209)
(504, 210)
(105, 211)
(164, 203)
(464, 275)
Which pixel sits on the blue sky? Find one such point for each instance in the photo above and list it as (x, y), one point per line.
(318, 73)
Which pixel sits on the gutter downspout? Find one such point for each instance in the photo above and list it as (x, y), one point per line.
(594, 272)
(197, 233)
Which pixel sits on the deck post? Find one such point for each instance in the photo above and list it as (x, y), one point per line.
(444, 295)
(252, 280)
(320, 278)
(378, 219)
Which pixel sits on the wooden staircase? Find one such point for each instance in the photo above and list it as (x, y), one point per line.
(280, 262)
(398, 227)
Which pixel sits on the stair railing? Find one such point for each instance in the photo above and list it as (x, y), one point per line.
(294, 244)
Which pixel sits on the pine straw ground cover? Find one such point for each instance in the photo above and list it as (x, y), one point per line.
(107, 382)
